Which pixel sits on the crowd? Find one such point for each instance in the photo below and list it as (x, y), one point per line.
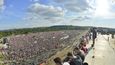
(35, 48)
(77, 56)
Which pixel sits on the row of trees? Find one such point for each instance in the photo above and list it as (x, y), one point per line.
(106, 30)
(40, 29)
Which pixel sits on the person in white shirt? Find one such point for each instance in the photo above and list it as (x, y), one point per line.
(73, 60)
(5, 46)
(66, 63)
(58, 61)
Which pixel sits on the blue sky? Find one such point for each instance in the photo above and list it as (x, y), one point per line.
(37, 13)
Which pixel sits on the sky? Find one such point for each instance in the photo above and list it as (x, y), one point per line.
(40, 13)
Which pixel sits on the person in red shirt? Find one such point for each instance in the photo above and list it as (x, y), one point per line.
(83, 47)
(41, 64)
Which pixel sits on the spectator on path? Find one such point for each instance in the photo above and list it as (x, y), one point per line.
(85, 63)
(83, 47)
(90, 35)
(78, 52)
(58, 61)
(67, 61)
(112, 36)
(87, 38)
(82, 38)
(74, 60)
(69, 55)
(94, 36)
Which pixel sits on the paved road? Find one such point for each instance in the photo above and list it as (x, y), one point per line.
(103, 53)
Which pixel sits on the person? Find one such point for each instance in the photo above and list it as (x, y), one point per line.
(6, 46)
(69, 56)
(73, 60)
(5, 40)
(87, 38)
(41, 64)
(85, 63)
(57, 61)
(78, 52)
(94, 36)
(82, 38)
(112, 36)
(67, 61)
(83, 47)
(76, 61)
(90, 35)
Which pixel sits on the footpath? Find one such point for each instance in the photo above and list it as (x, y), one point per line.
(102, 53)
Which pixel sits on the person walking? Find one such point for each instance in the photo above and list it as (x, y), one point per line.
(94, 36)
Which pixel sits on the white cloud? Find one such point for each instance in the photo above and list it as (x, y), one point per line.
(36, 20)
(79, 11)
(75, 5)
(111, 15)
(34, 0)
(105, 10)
(44, 15)
(45, 10)
(1, 2)
(81, 18)
(1, 5)
(113, 1)
(53, 14)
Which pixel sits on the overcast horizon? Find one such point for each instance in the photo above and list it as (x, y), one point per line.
(39, 13)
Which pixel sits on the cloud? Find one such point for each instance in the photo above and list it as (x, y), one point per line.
(105, 10)
(81, 18)
(43, 15)
(75, 5)
(34, 0)
(54, 19)
(56, 14)
(1, 2)
(111, 15)
(1, 5)
(45, 10)
(113, 1)
(35, 20)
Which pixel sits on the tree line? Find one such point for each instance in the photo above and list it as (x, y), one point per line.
(5, 33)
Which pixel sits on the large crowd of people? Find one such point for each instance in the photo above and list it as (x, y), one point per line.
(77, 56)
(35, 48)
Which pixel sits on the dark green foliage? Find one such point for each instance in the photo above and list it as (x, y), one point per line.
(106, 30)
(40, 29)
